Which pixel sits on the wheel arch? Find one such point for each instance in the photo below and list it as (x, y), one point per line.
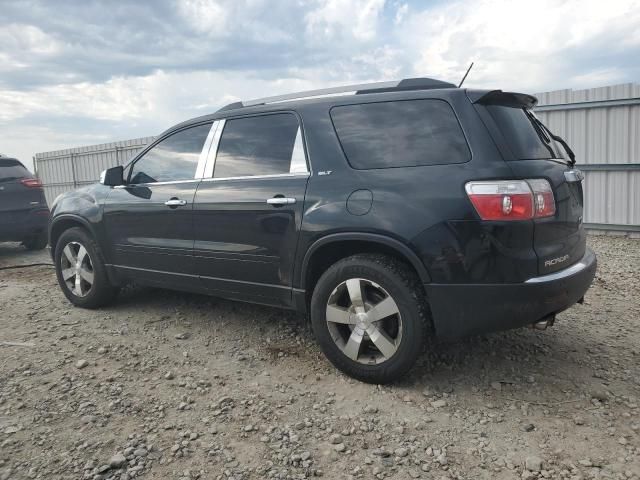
(64, 222)
(331, 248)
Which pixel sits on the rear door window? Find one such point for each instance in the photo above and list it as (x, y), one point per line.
(521, 135)
(11, 169)
(174, 158)
(404, 133)
(260, 145)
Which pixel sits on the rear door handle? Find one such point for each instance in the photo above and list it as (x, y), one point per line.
(281, 201)
(174, 202)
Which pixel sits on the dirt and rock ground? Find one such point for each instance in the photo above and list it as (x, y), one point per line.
(166, 385)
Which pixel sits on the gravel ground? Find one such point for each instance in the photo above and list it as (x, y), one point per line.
(166, 385)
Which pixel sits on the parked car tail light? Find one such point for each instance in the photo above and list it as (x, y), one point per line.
(31, 182)
(545, 203)
(512, 199)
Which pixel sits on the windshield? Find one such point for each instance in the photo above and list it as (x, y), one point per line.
(526, 136)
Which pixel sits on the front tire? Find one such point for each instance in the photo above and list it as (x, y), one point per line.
(80, 270)
(369, 316)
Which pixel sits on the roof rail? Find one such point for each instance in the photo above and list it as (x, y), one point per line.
(376, 87)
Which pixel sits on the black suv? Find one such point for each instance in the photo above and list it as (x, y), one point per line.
(388, 212)
(23, 207)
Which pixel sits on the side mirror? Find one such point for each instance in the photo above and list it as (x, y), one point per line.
(112, 176)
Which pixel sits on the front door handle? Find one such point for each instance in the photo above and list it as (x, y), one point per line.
(175, 202)
(281, 201)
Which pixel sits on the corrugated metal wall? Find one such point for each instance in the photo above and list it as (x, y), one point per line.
(602, 125)
(65, 170)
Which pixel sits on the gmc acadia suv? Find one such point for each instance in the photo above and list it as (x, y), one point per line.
(389, 213)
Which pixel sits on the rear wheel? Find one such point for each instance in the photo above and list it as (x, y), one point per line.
(80, 271)
(368, 313)
(35, 242)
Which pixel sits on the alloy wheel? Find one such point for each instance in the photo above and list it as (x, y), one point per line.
(77, 269)
(364, 321)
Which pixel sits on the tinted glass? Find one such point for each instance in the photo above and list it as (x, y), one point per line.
(174, 158)
(521, 136)
(12, 170)
(400, 134)
(256, 146)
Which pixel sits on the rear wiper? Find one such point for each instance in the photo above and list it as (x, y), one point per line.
(540, 131)
(557, 138)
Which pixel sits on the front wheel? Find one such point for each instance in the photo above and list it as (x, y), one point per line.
(80, 271)
(369, 315)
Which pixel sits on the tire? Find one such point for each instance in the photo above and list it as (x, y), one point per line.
(345, 334)
(35, 242)
(86, 294)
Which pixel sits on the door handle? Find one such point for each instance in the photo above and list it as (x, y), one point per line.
(174, 202)
(281, 201)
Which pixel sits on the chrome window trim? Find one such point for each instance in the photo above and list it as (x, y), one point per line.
(251, 177)
(213, 150)
(298, 163)
(204, 153)
(172, 182)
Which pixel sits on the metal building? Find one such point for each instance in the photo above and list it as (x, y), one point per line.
(601, 124)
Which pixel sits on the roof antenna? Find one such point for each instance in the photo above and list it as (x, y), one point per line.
(465, 75)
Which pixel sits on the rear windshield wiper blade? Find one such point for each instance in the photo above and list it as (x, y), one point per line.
(557, 138)
(540, 131)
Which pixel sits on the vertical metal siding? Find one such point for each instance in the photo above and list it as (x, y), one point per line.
(606, 140)
(64, 170)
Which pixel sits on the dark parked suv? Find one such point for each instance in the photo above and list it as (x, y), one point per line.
(23, 207)
(389, 212)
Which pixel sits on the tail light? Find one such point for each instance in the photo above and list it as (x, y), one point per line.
(512, 199)
(31, 182)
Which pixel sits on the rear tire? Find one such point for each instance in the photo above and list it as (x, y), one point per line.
(375, 336)
(35, 242)
(80, 270)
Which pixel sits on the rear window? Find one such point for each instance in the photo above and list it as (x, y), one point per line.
(12, 170)
(404, 133)
(521, 136)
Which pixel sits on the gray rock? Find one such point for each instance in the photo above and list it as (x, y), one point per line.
(80, 364)
(140, 452)
(439, 403)
(117, 461)
(335, 439)
(533, 463)
(340, 447)
(401, 452)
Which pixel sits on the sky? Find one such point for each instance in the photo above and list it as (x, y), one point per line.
(82, 72)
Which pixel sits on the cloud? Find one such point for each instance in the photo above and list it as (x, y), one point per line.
(337, 19)
(78, 72)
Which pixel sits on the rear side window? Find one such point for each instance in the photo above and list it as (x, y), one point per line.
(261, 145)
(11, 169)
(521, 136)
(406, 133)
(174, 158)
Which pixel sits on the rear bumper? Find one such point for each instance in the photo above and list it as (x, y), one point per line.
(460, 310)
(31, 223)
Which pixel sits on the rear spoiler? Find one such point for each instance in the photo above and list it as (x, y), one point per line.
(498, 97)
